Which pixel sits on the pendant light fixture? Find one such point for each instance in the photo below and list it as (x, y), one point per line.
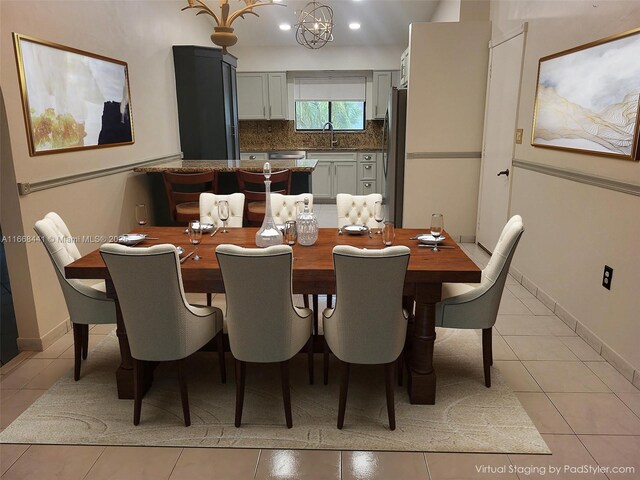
(315, 25)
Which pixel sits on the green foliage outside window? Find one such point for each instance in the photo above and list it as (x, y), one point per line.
(312, 115)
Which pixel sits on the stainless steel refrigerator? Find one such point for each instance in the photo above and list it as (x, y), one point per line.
(393, 153)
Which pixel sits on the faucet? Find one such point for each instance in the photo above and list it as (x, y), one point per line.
(329, 126)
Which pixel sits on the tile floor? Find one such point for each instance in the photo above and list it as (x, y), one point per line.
(587, 412)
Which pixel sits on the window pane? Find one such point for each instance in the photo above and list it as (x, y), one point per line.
(347, 115)
(311, 115)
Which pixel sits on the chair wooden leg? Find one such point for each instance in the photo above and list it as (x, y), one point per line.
(310, 358)
(491, 347)
(486, 355)
(305, 299)
(389, 369)
(138, 387)
(400, 368)
(329, 301)
(184, 394)
(240, 373)
(221, 362)
(85, 341)
(286, 392)
(315, 315)
(344, 386)
(325, 360)
(209, 298)
(77, 350)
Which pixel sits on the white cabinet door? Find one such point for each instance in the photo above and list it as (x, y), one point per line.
(253, 96)
(321, 179)
(278, 105)
(258, 156)
(345, 178)
(381, 92)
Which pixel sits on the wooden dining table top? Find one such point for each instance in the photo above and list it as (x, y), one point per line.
(311, 265)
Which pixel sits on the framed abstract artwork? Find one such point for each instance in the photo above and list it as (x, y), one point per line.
(587, 98)
(72, 100)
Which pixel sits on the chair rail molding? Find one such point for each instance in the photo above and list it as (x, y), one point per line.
(426, 155)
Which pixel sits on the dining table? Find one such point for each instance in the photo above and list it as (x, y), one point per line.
(313, 273)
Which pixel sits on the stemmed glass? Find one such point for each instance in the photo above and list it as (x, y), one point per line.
(437, 226)
(141, 215)
(378, 215)
(223, 214)
(195, 236)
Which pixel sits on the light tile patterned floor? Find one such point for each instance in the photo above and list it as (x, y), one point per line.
(588, 414)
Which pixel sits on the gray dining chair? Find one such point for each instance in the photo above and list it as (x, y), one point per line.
(368, 324)
(262, 322)
(475, 306)
(86, 300)
(161, 325)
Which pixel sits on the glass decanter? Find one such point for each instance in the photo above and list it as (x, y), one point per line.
(307, 226)
(268, 234)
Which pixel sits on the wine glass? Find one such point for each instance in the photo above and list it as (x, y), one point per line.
(378, 215)
(437, 226)
(195, 236)
(141, 215)
(223, 214)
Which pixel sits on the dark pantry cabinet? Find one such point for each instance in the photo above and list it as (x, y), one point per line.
(207, 103)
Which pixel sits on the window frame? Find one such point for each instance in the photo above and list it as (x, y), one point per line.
(364, 116)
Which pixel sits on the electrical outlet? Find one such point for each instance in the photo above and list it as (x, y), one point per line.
(607, 276)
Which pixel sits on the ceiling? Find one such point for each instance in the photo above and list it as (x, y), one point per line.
(384, 22)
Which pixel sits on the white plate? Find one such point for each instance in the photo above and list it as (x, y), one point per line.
(426, 238)
(355, 229)
(205, 227)
(131, 239)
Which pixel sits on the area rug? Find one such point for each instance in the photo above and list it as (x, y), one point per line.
(467, 417)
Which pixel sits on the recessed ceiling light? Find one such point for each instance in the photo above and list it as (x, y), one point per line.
(285, 26)
(354, 26)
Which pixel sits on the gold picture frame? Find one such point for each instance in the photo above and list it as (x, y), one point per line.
(72, 100)
(588, 98)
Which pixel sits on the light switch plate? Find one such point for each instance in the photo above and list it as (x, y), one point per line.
(519, 133)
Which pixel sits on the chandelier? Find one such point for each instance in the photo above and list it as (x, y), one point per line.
(223, 32)
(315, 25)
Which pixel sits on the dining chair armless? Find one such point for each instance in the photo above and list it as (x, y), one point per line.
(209, 209)
(262, 323)
(86, 300)
(183, 192)
(357, 209)
(476, 306)
(285, 207)
(368, 324)
(252, 185)
(161, 325)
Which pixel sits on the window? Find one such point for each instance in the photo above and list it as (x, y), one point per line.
(344, 115)
(339, 100)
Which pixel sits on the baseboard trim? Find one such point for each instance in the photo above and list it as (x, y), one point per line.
(40, 344)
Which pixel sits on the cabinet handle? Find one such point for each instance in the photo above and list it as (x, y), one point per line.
(269, 111)
(367, 185)
(367, 167)
(368, 157)
(252, 157)
(264, 111)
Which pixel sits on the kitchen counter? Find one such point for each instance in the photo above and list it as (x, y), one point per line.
(195, 166)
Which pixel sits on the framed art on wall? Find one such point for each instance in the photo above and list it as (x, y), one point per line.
(72, 99)
(587, 98)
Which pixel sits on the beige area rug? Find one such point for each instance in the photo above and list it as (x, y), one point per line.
(467, 417)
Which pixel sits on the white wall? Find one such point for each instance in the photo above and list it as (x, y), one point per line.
(140, 33)
(572, 229)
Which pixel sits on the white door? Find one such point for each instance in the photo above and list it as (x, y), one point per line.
(499, 138)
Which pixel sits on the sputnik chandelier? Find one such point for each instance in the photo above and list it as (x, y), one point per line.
(223, 32)
(315, 25)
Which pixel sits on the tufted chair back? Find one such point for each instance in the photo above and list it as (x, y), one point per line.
(209, 209)
(285, 207)
(357, 209)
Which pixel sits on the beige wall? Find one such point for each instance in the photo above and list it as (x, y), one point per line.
(572, 229)
(445, 113)
(140, 33)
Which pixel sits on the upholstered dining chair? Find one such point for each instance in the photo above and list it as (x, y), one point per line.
(86, 300)
(476, 306)
(161, 325)
(262, 323)
(357, 209)
(252, 185)
(285, 207)
(209, 209)
(368, 324)
(183, 192)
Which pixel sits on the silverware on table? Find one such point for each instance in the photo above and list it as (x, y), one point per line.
(215, 231)
(182, 260)
(151, 238)
(433, 245)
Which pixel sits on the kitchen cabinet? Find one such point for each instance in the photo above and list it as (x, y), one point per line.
(261, 156)
(336, 172)
(369, 173)
(382, 82)
(262, 96)
(207, 103)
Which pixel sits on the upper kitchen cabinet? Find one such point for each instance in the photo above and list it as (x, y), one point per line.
(262, 96)
(382, 82)
(207, 103)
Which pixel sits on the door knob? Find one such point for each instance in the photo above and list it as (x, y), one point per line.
(504, 172)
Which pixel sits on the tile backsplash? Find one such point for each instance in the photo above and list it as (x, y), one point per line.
(268, 135)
